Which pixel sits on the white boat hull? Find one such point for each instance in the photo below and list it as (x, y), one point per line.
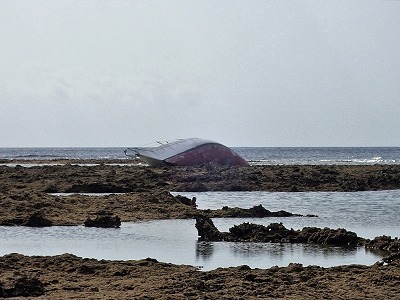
(190, 152)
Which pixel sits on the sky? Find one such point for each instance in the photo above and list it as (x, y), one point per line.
(243, 73)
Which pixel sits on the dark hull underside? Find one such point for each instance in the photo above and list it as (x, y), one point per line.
(215, 154)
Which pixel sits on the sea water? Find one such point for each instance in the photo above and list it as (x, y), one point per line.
(254, 155)
(369, 214)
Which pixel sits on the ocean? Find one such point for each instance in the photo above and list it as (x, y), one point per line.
(254, 155)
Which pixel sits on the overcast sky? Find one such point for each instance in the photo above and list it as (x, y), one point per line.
(244, 73)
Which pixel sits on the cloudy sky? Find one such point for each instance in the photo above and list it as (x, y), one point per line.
(244, 73)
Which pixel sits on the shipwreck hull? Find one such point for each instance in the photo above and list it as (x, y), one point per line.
(189, 152)
(215, 154)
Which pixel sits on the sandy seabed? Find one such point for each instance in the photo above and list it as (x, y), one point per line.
(145, 196)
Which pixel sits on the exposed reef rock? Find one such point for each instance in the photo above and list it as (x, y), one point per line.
(104, 220)
(117, 179)
(186, 200)
(384, 243)
(257, 211)
(24, 193)
(37, 219)
(23, 287)
(70, 277)
(208, 232)
(276, 233)
(145, 190)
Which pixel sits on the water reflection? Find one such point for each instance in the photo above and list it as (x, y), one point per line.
(369, 214)
(173, 241)
(266, 255)
(204, 250)
(269, 250)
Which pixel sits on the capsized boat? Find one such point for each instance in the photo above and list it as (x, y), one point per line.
(188, 152)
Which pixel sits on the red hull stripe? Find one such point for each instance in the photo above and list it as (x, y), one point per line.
(207, 154)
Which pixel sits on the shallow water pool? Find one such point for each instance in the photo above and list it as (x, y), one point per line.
(369, 214)
(173, 241)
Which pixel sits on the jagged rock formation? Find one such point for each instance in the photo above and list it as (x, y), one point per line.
(257, 211)
(276, 233)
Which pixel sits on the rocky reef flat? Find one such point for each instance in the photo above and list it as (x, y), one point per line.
(27, 198)
(143, 193)
(70, 277)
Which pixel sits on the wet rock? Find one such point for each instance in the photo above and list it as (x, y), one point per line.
(86, 269)
(186, 200)
(276, 233)
(147, 261)
(97, 188)
(384, 243)
(192, 187)
(37, 219)
(392, 259)
(257, 211)
(22, 188)
(148, 279)
(17, 221)
(23, 287)
(207, 230)
(104, 220)
(326, 236)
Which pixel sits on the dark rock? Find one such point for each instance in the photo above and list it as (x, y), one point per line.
(186, 200)
(104, 220)
(37, 219)
(235, 188)
(327, 236)
(97, 188)
(395, 257)
(28, 287)
(23, 287)
(51, 189)
(85, 269)
(384, 243)
(207, 230)
(13, 222)
(250, 277)
(276, 233)
(257, 211)
(283, 213)
(192, 187)
(147, 261)
(151, 260)
(123, 272)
